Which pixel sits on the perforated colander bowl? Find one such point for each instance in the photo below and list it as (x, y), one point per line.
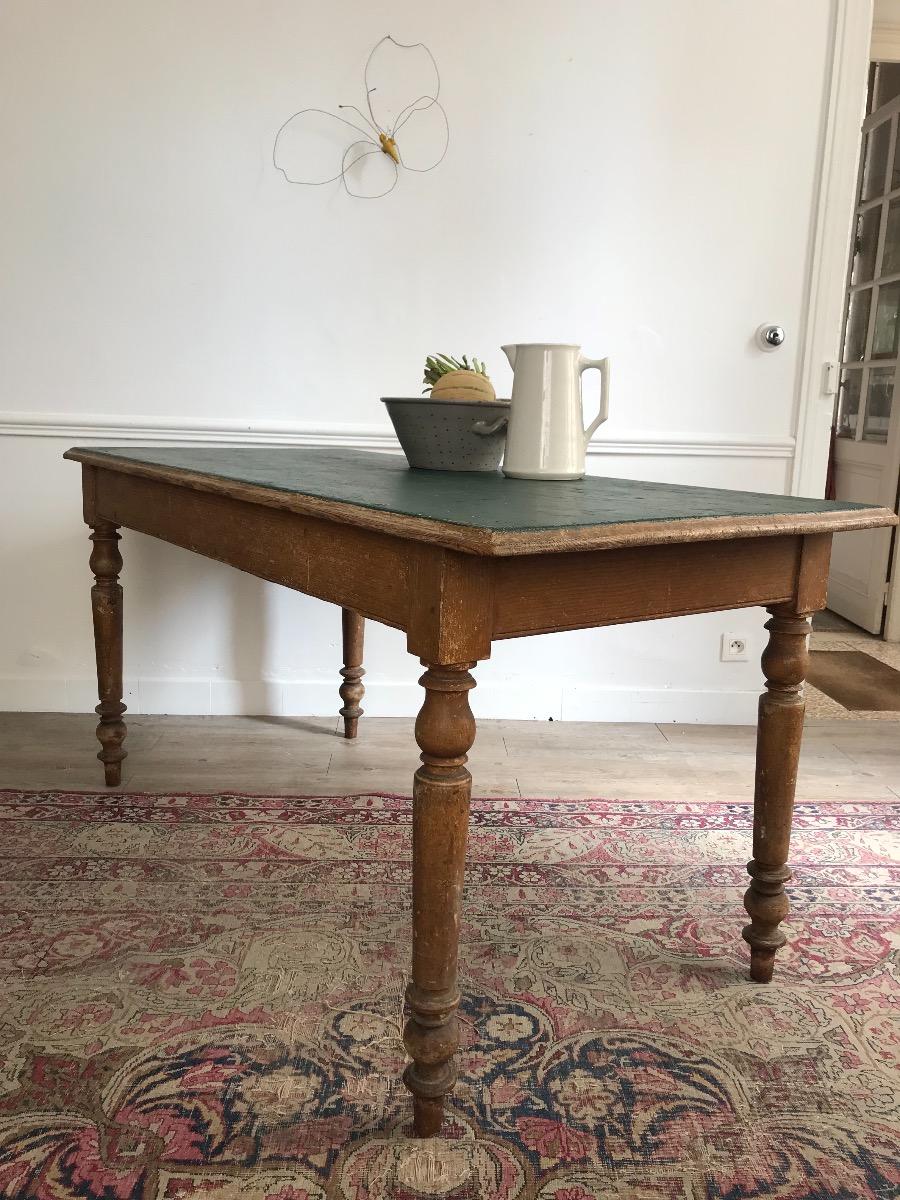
(449, 435)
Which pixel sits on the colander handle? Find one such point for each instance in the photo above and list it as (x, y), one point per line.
(486, 429)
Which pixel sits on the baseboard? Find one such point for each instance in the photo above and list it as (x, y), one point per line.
(491, 700)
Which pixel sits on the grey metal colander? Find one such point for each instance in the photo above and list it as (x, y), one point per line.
(450, 435)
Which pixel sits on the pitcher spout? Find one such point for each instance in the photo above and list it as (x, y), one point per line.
(510, 352)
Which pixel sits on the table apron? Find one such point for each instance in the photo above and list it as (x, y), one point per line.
(610, 587)
(357, 568)
(452, 604)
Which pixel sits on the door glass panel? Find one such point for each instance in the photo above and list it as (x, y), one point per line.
(857, 324)
(879, 394)
(848, 403)
(878, 144)
(890, 259)
(887, 84)
(887, 322)
(866, 245)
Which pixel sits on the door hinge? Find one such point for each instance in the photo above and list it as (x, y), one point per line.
(830, 379)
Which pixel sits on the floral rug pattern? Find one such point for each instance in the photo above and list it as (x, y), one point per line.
(201, 999)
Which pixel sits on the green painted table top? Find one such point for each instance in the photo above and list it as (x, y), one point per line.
(487, 502)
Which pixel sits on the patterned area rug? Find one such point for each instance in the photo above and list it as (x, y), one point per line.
(201, 1000)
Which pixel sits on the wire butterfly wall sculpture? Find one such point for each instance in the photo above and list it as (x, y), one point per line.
(312, 142)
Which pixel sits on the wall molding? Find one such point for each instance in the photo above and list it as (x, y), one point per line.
(77, 427)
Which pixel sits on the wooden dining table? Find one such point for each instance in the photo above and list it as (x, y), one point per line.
(458, 561)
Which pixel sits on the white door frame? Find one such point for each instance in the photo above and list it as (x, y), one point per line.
(856, 39)
(833, 213)
(892, 615)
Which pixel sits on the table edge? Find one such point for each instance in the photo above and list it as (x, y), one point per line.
(503, 543)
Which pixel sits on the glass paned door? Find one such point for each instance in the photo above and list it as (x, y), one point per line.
(872, 333)
(867, 420)
(877, 153)
(878, 404)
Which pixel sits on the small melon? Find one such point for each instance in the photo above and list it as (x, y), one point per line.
(463, 385)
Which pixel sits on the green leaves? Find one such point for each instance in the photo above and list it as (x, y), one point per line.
(437, 365)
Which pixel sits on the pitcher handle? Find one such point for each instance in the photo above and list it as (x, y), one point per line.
(602, 365)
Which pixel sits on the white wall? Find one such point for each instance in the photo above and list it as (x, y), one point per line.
(637, 176)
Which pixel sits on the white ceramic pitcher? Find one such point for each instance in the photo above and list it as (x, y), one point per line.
(546, 438)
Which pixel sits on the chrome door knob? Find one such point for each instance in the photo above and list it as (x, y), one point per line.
(770, 337)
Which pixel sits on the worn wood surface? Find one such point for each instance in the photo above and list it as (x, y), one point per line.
(357, 568)
(482, 513)
(812, 576)
(353, 628)
(583, 590)
(106, 604)
(445, 731)
(840, 760)
(454, 588)
(451, 606)
(780, 731)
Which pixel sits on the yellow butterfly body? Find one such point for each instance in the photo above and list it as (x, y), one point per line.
(389, 146)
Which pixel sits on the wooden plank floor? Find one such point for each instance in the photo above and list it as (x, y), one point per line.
(841, 760)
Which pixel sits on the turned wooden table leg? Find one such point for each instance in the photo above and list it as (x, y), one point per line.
(353, 627)
(106, 602)
(780, 730)
(445, 731)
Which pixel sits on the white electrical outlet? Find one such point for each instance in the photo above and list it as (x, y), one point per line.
(734, 648)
